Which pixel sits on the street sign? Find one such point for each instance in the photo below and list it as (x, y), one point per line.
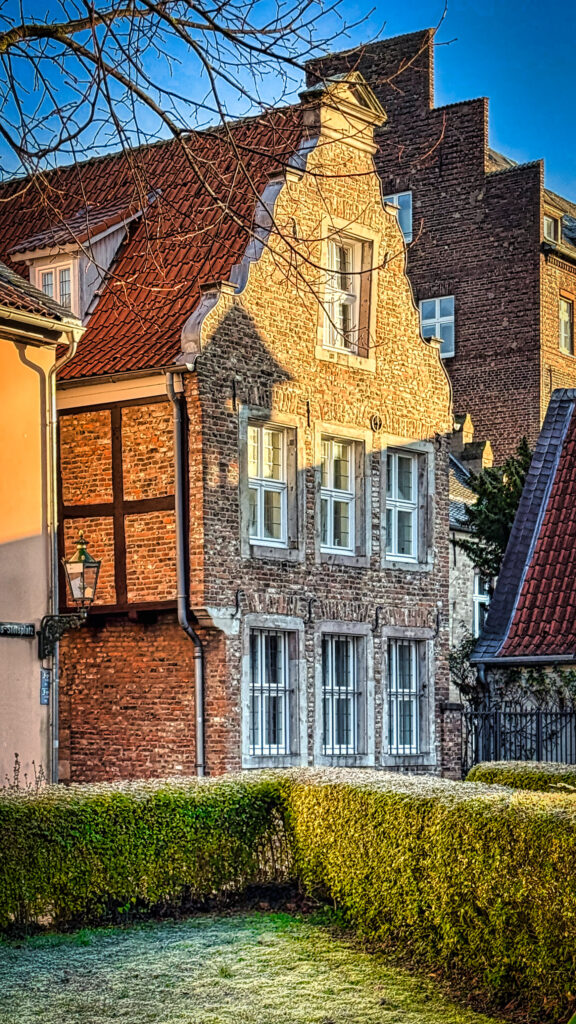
(17, 629)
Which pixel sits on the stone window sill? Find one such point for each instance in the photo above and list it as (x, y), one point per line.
(348, 359)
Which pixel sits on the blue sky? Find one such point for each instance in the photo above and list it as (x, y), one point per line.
(519, 53)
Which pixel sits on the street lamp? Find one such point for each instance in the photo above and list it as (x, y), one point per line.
(81, 579)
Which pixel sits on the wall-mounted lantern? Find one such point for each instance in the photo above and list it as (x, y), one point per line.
(82, 572)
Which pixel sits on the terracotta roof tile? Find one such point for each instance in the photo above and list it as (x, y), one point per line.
(533, 611)
(87, 222)
(186, 237)
(18, 294)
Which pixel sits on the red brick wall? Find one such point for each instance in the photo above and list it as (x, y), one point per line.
(558, 368)
(476, 234)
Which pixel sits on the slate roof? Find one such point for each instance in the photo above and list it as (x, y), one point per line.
(196, 229)
(460, 495)
(533, 611)
(19, 295)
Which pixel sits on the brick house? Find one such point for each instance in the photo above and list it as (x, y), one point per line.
(491, 251)
(254, 438)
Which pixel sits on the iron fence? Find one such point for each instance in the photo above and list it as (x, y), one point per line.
(511, 735)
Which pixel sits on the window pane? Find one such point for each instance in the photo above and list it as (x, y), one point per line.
(431, 331)
(406, 723)
(48, 284)
(341, 524)
(253, 512)
(389, 529)
(428, 309)
(324, 521)
(447, 335)
(447, 306)
(405, 215)
(341, 661)
(390, 483)
(253, 451)
(404, 653)
(344, 267)
(65, 288)
(324, 463)
(272, 469)
(341, 466)
(343, 721)
(404, 478)
(273, 515)
(405, 533)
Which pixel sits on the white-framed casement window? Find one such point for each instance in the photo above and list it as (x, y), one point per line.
(402, 506)
(337, 495)
(267, 485)
(271, 694)
(341, 693)
(403, 200)
(342, 294)
(404, 691)
(566, 325)
(480, 602)
(437, 321)
(56, 282)
(551, 228)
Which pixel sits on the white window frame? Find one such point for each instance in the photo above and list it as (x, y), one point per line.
(395, 504)
(262, 484)
(342, 294)
(262, 692)
(331, 495)
(566, 326)
(550, 228)
(399, 696)
(55, 269)
(333, 695)
(407, 231)
(436, 323)
(480, 599)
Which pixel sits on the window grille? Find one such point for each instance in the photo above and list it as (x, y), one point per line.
(342, 284)
(437, 321)
(566, 325)
(340, 695)
(48, 283)
(337, 496)
(267, 485)
(403, 200)
(402, 505)
(404, 696)
(270, 693)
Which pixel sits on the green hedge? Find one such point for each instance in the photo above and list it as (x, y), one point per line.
(88, 853)
(472, 879)
(545, 776)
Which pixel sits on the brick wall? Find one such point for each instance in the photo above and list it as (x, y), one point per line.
(261, 355)
(476, 236)
(558, 369)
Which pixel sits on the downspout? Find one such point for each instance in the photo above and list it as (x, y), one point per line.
(181, 569)
(53, 534)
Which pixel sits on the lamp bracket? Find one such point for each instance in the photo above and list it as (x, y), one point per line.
(53, 627)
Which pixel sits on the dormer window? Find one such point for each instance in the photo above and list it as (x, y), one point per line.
(57, 284)
(551, 228)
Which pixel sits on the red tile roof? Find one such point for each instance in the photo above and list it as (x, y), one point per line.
(533, 611)
(196, 229)
(19, 295)
(545, 618)
(87, 222)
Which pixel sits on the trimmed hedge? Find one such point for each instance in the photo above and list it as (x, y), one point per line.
(477, 880)
(88, 853)
(545, 776)
(473, 879)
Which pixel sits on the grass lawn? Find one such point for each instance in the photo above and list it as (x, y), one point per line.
(244, 969)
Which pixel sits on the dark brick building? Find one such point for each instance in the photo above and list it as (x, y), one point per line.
(492, 258)
(274, 530)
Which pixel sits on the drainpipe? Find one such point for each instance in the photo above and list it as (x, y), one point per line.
(181, 567)
(53, 534)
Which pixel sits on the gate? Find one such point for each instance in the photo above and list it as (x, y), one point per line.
(502, 735)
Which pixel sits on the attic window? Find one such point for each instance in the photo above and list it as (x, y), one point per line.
(56, 283)
(551, 228)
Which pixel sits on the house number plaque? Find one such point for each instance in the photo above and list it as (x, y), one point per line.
(17, 629)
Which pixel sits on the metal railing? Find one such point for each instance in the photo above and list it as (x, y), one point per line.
(503, 735)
